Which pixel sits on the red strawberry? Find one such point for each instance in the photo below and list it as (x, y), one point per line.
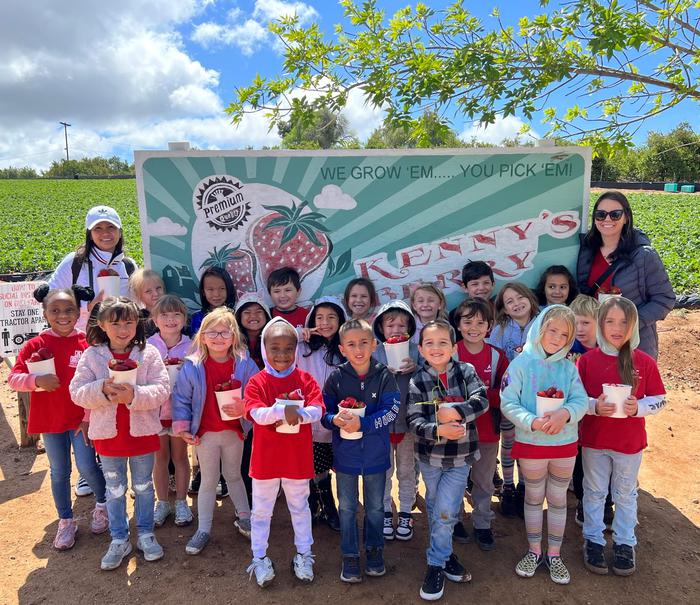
(551, 391)
(44, 353)
(541, 393)
(286, 237)
(132, 364)
(173, 361)
(107, 273)
(350, 403)
(559, 394)
(453, 399)
(217, 387)
(283, 396)
(393, 340)
(295, 395)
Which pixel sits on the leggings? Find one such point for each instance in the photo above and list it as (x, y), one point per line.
(550, 478)
(507, 437)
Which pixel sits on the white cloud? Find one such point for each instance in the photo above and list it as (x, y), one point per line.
(271, 10)
(196, 100)
(502, 128)
(332, 197)
(362, 116)
(165, 226)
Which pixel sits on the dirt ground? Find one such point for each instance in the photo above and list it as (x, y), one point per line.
(668, 555)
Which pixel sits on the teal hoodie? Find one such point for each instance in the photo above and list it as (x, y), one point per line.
(533, 371)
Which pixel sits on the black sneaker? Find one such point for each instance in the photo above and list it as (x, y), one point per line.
(374, 562)
(350, 572)
(459, 533)
(608, 517)
(221, 489)
(520, 500)
(508, 501)
(455, 572)
(433, 584)
(579, 514)
(497, 483)
(484, 539)
(194, 484)
(594, 557)
(623, 560)
(404, 528)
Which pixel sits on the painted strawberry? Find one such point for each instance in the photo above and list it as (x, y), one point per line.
(288, 237)
(239, 264)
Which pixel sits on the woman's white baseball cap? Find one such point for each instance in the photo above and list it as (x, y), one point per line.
(97, 214)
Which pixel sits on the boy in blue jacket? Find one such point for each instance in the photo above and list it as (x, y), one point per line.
(366, 454)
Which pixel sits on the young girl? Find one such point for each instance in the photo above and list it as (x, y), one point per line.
(124, 420)
(427, 303)
(556, 286)
(545, 444)
(220, 357)
(474, 319)
(63, 424)
(516, 307)
(146, 288)
(613, 446)
(319, 357)
(169, 315)
(360, 298)
(252, 314)
(216, 290)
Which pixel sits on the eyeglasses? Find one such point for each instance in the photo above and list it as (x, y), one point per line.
(615, 215)
(224, 334)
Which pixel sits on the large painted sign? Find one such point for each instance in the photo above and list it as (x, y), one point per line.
(21, 316)
(398, 217)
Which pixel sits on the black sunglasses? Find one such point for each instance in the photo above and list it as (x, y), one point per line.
(615, 215)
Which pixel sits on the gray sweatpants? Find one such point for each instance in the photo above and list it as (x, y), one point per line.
(482, 485)
(402, 458)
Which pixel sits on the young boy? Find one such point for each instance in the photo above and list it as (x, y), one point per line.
(281, 459)
(284, 286)
(446, 445)
(396, 319)
(475, 319)
(371, 383)
(478, 280)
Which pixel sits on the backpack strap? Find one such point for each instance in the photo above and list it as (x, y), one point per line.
(75, 268)
(129, 265)
(494, 365)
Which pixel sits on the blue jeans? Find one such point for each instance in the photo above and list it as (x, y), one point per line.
(58, 447)
(373, 498)
(444, 492)
(114, 468)
(600, 469)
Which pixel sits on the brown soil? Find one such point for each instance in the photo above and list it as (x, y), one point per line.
(668, 552)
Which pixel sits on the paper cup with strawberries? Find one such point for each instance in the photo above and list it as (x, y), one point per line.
(549, 400)
(225, 394)
(173, 365)
(396, 348)
(41, 363)
(109, 282)
(293, 398)
(356, 408)
(123, 371)
(617, 394)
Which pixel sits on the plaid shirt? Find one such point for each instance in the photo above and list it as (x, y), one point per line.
(425, 384)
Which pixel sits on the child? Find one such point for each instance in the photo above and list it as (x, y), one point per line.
(124, 420)
(63, 424)
(427, 303)
(556, 286)
(360, 298)
(281, 459)
(169, 315)
(319, 357)
(545, 444)
(372, 384)
(446, 445)
(252, 314)
(395, 319)
(612, 447)
(477, 282)
(475, 319)
(146, 288)
(216, 290)
(284, 287)
(219, 357)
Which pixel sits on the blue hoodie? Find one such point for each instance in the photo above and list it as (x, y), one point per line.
(510, 338)
(533, 370)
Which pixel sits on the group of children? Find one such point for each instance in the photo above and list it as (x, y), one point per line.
(313, 394)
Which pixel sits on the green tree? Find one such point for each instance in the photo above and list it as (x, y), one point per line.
(429, 131)
(12, 172)
(96, 166)
(628, 59)
(674, 156)
(313, 129)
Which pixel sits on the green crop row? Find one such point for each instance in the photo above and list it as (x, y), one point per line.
(40, 221)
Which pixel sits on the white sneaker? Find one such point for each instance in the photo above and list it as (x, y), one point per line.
(263, 570)
(161, 512)
(82, 488)
(152, 551)
(303, 566)
(183, 513)
(115, 554)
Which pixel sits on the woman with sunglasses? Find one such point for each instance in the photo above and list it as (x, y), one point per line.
(616, 258)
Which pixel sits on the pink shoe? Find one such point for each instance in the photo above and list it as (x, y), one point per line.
(100, 520)
(65, 536)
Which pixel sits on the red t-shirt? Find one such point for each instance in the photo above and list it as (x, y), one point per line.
(483, 362)
(124, 444)
(54, 412)
(598, 267)
(543, 452)
(216, 373)
(297, 317)
(279, 455)
(624, 435)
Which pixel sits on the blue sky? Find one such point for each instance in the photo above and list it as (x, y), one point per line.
(139, 73)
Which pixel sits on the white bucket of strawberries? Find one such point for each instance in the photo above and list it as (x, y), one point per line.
(41, 363)
(396, 349)
(617, 394)
(123, 371)
(109, 282)
(356, 408)
(172, 365)
(293, 398)
(225, 393)
(549, 400)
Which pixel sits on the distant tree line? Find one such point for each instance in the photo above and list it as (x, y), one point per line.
(96, 166)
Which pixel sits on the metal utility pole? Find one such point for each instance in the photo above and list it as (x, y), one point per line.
(65, 130)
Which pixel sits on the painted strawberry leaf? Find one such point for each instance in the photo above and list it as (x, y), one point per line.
(219, 258)
(294, 221)
(340, 265)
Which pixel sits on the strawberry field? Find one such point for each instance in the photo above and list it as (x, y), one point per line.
(42, 220)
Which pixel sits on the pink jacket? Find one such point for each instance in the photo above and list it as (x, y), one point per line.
(151, 391)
